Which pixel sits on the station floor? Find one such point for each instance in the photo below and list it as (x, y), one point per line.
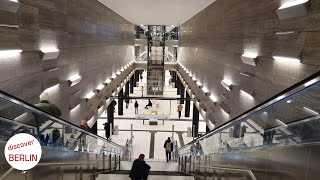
(149, 139)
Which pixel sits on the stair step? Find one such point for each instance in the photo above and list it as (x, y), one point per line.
(152, 173)
(155, 166)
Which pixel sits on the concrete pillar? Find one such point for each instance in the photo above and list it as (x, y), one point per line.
(182, 92)
(127, 89)
(131, 84)
(136, 77)
(178, 86)
(187, 105)
(120, 103)
(110, 112)
(195, 120)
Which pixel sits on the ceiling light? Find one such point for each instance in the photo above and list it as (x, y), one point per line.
(113, 76)
(89, 95)
(249, 58)
(52, 87)
(9, 26)
(289, 101)
(214, 98)
(245, 74)
(287, 59)
(226, 84)
(14, 1)
(100, 87)
(74, 80)
(285, 33)
(292, 3)
(107, 81)
(12, 52)
(250, 55)
(310, 110)
(51, 69)
(50, 53)
(118, 73)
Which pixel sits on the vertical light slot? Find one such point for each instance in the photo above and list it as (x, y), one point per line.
(286, 59)
(292, 3)
(10, 53)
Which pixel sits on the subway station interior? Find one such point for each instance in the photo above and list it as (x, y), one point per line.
(234, 84)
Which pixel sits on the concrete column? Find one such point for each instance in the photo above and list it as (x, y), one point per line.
(120, 103)
(195, 120)
(136, 77)
(175, 77)
(131, 84)
(127, 89)
(178, 83)
(110, 112)
(187, 105)
(182, 91)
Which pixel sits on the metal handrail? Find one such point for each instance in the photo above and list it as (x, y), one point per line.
(32, 108)
(231, 169)
(277, 98)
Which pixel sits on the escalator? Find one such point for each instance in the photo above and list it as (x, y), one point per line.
(68, 152)
(278, 139)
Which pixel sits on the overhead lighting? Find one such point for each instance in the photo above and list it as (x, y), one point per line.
(199, 84)
(245, 74)
(194, 78)
(281, 123)
(9, 26)
(89, 95)
(49, 50)
(74, 80)
(14, 1)
(52, 87)
(289, 101)
(285, 33)
(226, 84)
(107, 81)
(248, 95)
(50, 53)
(118, 73)
(12, 52)
(100, 87)
(113, 76)
(292, 3)
(73, 108)
(309, 83)
(287, 59)
(214, 98)
(51, 69)
(310, 110)
(250, 55)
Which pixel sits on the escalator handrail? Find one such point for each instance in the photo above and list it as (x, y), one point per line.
(283, 94)
(33, 108)
(231, 169)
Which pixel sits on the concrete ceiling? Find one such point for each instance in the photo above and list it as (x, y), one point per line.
(157, 12)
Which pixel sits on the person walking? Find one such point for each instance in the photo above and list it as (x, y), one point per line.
(142, 90)
(179, 109)
(168, 146)
(140, 169)
(149, 104)
(136, 106)
(48, 107)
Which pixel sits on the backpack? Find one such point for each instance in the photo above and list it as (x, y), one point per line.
(168, 147)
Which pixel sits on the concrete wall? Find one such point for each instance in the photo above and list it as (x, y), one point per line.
(212, 42)
(94, 42)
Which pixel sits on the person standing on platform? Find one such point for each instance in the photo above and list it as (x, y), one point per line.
(168, 146)
(179, 109)
(142, 89)
(136, 106)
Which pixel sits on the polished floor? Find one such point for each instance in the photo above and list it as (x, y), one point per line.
(149, 139)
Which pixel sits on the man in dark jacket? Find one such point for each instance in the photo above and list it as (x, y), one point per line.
(136, 106)
(46, 106)
(140, 170)
(168, 146)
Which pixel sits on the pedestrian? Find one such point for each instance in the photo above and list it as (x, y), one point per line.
(243, 131)
(71, 143)
(140, 169)
(48, 107)
(84, 126)
(168, 146)
(179, 109)
(136, 107)
(83, 139)
(142, 89)
(149, 104)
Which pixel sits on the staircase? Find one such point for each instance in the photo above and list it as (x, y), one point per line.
(158, 171)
